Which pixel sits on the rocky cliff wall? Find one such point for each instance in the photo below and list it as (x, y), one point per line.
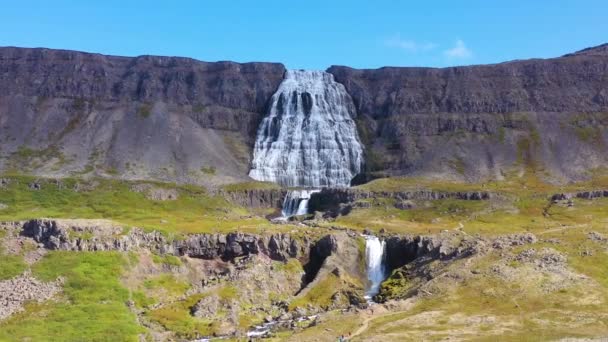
(485, 121)
(167, 118)
(100, 235)
(178, 119)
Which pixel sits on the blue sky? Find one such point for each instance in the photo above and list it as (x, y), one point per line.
(312, 34)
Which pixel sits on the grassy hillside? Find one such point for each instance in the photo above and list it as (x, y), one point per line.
(195, 210)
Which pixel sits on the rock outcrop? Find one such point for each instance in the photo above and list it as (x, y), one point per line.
(330, 199)
(100, 235)
(255, 198)
(591, 194)
(16, 292)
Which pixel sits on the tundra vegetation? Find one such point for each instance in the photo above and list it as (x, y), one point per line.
(555, 287)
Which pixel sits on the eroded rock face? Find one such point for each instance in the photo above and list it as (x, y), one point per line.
(467, 122)
(100, 235)
(332, 198)
(148, 117)
(255, 198)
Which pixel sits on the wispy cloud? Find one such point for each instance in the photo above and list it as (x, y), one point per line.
(459, 51)
(408, 45)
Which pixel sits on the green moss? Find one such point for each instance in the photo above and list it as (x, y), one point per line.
(227, 293)
(590, 135)
(176, 318)
(94, 308)
(254, 185)
(198, 108)
(167, 282)
(112, 171)
(396, 286)
(320, 295)
(458, 165)
(209, 170)
(144, 110)
(167, 259)
(292, 266)
(502, 135)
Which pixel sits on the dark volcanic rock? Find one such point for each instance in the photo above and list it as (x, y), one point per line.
(331, 199)
(256, 198)
(178, 119)
(477, 122)
(67, 235)
(145, 117)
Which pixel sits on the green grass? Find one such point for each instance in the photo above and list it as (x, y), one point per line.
(194, 211)
(253, 185)
(94, 307)
(321, 295)
(292, 266)
(167, 259)
(167, 283)
(176, 318)
(11, 266)
(228, 293)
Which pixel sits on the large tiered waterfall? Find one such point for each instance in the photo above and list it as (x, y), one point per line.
(376, 270)
(309, 138)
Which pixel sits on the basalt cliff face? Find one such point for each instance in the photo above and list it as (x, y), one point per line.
(167, 118)
(178, 119)
(485, 121)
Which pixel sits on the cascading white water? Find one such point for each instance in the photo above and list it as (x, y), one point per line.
(308, 139)
(296, 202)
(376, 271)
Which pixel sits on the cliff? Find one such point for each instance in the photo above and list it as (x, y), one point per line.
(177, 119)
(485, 121)
(168, 118)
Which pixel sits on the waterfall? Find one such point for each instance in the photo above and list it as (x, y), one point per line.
(308, 139)
(296, 202)
(376, 272)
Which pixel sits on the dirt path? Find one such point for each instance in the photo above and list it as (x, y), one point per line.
(363, 327)
(553, 230)
(368, 318)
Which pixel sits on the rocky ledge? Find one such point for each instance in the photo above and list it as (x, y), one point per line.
(329, 199)
(101, 235)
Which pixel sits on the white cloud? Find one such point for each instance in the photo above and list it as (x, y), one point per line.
(408, 45)
(459, 51)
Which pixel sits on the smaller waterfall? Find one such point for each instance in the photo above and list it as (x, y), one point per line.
(296, 202)
(376, 272)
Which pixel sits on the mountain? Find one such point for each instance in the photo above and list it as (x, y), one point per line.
(484, 121)
(168, 118)
(178, 119)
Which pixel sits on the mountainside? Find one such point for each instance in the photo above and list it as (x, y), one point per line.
(178, 119)
(66, 112)
(484, 121)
